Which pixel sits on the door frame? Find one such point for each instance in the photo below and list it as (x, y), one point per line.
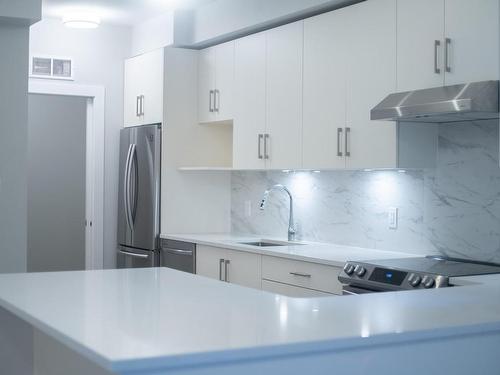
(94, 196)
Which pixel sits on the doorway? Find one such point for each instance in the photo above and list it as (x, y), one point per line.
(90, 100)
(56, 182)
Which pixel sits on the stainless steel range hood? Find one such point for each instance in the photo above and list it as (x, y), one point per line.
(466, 102)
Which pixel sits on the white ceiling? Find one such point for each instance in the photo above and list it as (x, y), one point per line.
(118, 12)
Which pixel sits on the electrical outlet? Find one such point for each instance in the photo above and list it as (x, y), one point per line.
(248, 208)
(393, 217)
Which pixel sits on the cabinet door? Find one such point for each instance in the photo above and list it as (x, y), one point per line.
(224, 81)
(324, 90)
(206, 85)
(209, 262)
(420, 24)
(284, 96)
(243, 269)
(291, 290)
(250, 102)
(151, 83)
(371, 77)
(131, 92)
(473, 32)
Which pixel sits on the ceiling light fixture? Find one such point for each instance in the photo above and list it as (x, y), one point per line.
(81, 20)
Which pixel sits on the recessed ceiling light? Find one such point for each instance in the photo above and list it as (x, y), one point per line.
(81, 20)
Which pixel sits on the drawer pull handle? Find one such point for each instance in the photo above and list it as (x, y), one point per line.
(300, 274)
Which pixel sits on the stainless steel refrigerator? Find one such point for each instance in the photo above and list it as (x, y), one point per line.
(139, 197)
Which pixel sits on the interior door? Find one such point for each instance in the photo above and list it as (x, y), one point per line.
(284, 95)
(472, 29)
(420, 25)
(250, 102)
(371, 77)
(324, 90)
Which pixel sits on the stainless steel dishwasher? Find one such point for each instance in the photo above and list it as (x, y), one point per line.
(178, 255)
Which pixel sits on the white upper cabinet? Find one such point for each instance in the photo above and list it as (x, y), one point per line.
(445, 42)
(224, 79)
(420, 30)
(143, 89)
(215, 83)
(325, 67)
(472, 40)
(206, 85)
(284, 96)
(349, 66)
(249, 126)
(371, 76)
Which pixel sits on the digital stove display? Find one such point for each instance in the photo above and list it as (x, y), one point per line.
(386, 276)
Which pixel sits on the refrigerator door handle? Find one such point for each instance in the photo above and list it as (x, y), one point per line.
(126, 187)
(134, 164)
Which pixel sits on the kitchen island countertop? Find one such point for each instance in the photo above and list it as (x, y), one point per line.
(147, 320)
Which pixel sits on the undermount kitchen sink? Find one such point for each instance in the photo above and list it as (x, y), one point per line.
(264, 243)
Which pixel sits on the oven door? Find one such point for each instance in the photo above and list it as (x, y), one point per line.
(350, 290)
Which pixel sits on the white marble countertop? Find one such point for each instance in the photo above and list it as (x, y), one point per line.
(140, 319)
(323, 253)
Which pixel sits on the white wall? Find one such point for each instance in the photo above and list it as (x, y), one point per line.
(98, 60)
(13, 146)
(153, 34)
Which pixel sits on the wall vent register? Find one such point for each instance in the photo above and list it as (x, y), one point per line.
(51, 67)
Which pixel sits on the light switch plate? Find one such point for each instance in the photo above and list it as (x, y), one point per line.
(393, 217)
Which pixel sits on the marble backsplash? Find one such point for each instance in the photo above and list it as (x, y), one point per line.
(453, 209)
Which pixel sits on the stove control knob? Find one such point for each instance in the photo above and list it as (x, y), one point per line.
(428, 282)
(360, 270)
(349, 269)
(414, 280)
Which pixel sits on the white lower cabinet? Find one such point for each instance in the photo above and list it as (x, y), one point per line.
(231, 266)
(302, 274)
(291, 290)
(288, 277)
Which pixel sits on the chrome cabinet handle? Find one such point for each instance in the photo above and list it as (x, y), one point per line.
(259, 149)
(300, 274)
(437, 44)
(142, 256)
(339, 142)
(137, 105)
(346, 140)
(216, 101)
(226, 273)
(210, 106)
(266, 153)
(221, 262)
(447, 55)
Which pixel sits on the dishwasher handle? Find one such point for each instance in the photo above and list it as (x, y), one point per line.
(188, 253)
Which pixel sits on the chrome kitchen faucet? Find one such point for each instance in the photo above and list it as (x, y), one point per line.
(291, 225)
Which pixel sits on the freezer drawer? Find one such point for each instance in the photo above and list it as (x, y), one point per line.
(135, 258)
(178, 255)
